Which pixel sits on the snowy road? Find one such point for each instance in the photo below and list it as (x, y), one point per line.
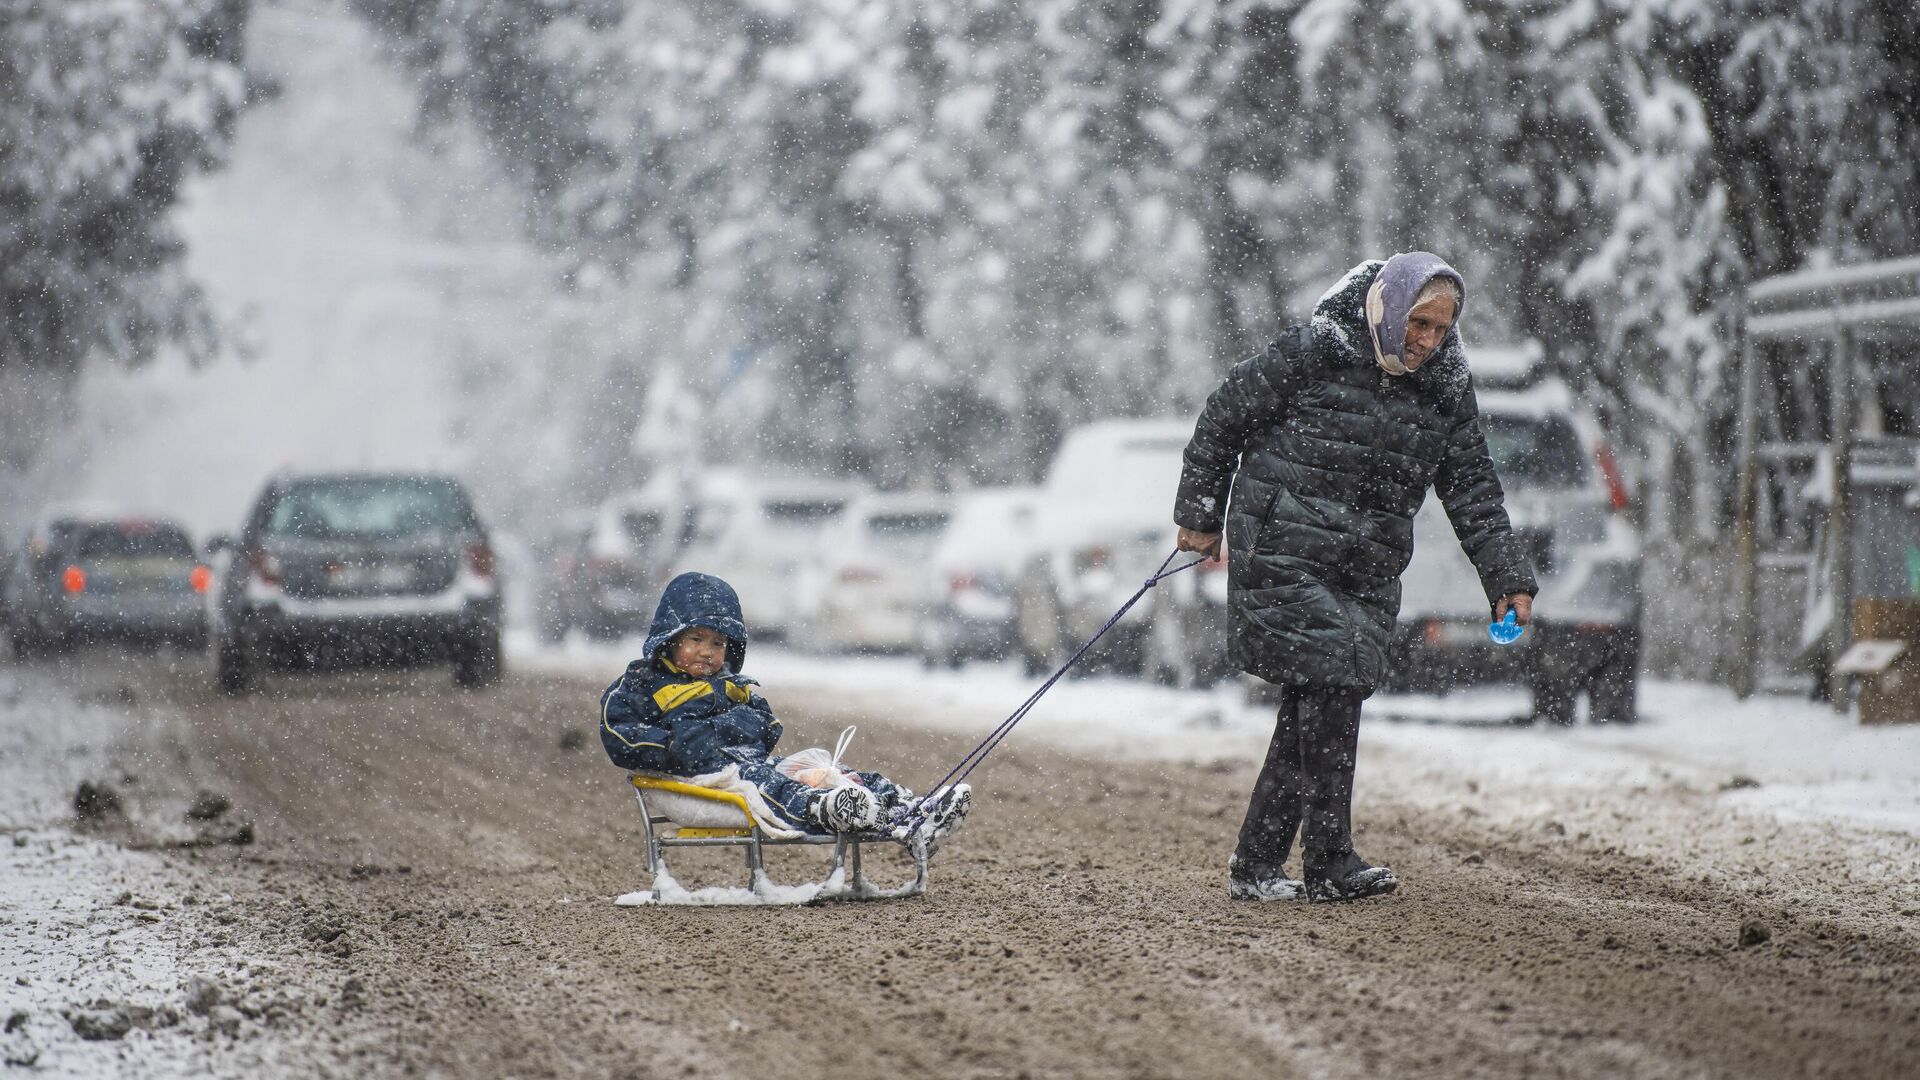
(426, 887)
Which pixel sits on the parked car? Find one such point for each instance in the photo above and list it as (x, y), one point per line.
(1567, 500)
(80, 580)
(559, 555)
(358, 569)
(968, 599)
(759, 532)
(611, 567)
(868, 594)
(1103, 523)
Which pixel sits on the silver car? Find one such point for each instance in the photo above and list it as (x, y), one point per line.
(76, 581)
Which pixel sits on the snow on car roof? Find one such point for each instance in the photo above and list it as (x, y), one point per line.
(1505, 365)
(1114, 474)
(989, 526)
(1090, 448)
(1548, 397)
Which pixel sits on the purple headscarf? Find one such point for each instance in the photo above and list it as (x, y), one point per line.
(1390, 301)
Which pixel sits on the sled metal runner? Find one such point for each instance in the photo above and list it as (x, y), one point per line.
(846, 876)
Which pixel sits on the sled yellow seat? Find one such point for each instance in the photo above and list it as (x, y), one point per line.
(736, 802)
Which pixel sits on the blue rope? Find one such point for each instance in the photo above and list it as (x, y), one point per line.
(979, 753)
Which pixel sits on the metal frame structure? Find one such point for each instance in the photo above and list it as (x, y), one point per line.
(1831, 307)
(846, 877)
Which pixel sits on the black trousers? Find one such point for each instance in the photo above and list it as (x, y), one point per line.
(1307, 782)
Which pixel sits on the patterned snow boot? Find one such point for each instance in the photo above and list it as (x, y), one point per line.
(850, 809)
(946, 809)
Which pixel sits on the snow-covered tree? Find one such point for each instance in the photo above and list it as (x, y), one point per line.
(109, 107)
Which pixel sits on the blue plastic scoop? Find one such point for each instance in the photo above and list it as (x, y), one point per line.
(1507, 630)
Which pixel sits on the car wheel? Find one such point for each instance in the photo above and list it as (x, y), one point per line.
(932, 656)
(233, 670)
(1553, 702)
(476, 660)
(1612, 691)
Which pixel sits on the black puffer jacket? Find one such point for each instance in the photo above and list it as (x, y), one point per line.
(1333, 457)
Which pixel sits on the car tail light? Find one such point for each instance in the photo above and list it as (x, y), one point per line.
(1610, 470)
(1436, 633)
(859, 575)
(265, 567)
(960, 583)
(202, 579)
(75, 580)
(480, 558)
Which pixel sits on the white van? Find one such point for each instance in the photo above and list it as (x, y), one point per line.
(1104, 521)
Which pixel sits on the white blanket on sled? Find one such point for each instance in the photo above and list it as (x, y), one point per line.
(693, 812)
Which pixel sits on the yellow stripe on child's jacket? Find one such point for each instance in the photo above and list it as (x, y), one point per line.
(674, 695)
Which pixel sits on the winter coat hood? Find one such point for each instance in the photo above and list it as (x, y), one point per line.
(698, 600)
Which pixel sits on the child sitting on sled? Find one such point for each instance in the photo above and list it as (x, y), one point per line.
(684, 710)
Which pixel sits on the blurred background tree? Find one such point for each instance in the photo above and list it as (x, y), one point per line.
(109, 107)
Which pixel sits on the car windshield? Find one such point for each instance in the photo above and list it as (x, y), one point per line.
(802, 513)
(1535, 451)
(378, 507)
(910, 535)
(134, 541)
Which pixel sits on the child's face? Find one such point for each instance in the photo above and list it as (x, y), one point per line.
(698, 651)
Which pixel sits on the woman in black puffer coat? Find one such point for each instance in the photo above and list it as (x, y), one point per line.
(1329, 440)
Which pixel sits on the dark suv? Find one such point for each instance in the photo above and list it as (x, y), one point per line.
(358, 569)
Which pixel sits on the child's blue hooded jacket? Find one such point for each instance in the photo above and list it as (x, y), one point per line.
(657, 718)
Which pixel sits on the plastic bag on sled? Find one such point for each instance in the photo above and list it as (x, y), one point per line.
(818, 768)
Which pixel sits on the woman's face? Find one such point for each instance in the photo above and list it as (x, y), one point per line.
(1427, 327)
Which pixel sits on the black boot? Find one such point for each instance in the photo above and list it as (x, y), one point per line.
(1342, 875)
(1260, 881)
